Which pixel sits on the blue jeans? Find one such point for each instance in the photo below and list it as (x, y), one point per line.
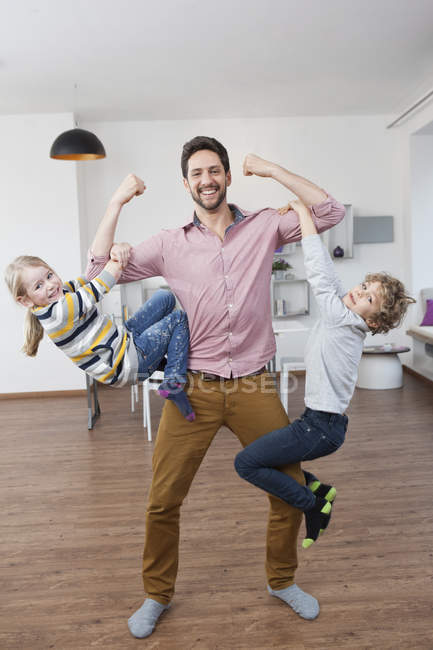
(157, 330)
(314, 434)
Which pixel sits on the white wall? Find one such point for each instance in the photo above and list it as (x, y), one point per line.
(355, 158)
(416, 136)
(39, 216)
(421, 210)
(416, 133)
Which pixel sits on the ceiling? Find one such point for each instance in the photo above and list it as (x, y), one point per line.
(184, 59)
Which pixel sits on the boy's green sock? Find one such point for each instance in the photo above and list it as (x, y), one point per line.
(316, 520)
(323, 490)
(327, 492)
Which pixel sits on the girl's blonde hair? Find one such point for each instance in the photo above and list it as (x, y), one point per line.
(33, 330)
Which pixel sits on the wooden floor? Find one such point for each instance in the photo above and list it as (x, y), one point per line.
(72, 526)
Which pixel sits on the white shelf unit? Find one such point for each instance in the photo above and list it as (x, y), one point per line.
(341, 235)
(288, 249)
(294, 296)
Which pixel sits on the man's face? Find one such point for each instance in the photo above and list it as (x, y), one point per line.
(207, 181)
(365, 300)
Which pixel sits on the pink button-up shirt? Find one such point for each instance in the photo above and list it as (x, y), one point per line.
(224, 286)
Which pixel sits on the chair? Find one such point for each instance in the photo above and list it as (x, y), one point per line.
(95, 412)
(288, 364)
(152, 383)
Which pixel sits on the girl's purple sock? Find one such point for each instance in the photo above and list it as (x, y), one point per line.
(173, 391)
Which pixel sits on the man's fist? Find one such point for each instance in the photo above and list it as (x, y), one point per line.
(120, 253)
(131, 186)
(254, 165)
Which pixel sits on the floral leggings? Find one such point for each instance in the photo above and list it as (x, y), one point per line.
(157, 331)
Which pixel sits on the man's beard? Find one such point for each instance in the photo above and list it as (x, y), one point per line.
(218, 198)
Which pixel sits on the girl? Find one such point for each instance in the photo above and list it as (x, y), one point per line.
(113, 354)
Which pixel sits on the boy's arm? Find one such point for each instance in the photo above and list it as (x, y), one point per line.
(306, 222)
(324, 282)
(319, 268)
(103, 241)
(308, 228)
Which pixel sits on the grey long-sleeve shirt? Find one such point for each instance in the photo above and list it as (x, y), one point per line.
(334, 347)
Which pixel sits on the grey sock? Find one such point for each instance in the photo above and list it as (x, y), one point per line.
(301, 603)
(143, 621)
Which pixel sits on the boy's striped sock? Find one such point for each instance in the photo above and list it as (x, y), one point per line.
(323, 490)
(327, 492)
(316, 520)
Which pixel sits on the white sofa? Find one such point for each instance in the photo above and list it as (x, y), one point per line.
(423, 341)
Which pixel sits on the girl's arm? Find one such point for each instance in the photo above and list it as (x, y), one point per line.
(113, 267)
(60, 318)
(131, 186)
(83, 295)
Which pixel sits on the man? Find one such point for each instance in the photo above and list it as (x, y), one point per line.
(219, 266)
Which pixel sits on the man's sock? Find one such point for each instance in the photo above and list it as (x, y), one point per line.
(303, 604)
(323, 490)
(316, 520)
(143, 621)
(173, 391)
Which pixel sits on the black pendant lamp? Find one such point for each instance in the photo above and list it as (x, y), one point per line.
(77, 144)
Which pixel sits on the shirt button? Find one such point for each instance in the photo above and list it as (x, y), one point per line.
(226, 277)
(230, 306)
(230, 333)
(222, 248)
(230, 360)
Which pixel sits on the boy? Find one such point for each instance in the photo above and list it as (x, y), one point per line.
(333, 354)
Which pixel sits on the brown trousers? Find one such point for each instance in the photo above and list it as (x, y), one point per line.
(250, 407)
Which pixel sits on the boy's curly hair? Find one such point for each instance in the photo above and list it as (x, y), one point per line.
(394, 302)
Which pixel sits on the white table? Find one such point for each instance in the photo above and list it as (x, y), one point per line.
(380, 367)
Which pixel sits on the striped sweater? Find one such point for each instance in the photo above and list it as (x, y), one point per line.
(90, 339)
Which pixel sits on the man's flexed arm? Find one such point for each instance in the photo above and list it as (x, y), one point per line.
(131, 186)
(305, 190)
(307, 224)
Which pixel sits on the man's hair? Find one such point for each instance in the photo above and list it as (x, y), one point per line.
(394, 302)
(199, 143)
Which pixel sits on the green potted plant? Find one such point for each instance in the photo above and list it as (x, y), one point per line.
(279, 268)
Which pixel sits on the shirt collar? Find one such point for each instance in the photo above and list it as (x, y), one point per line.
(239, 216)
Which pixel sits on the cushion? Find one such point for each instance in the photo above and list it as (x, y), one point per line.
(428, 317)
